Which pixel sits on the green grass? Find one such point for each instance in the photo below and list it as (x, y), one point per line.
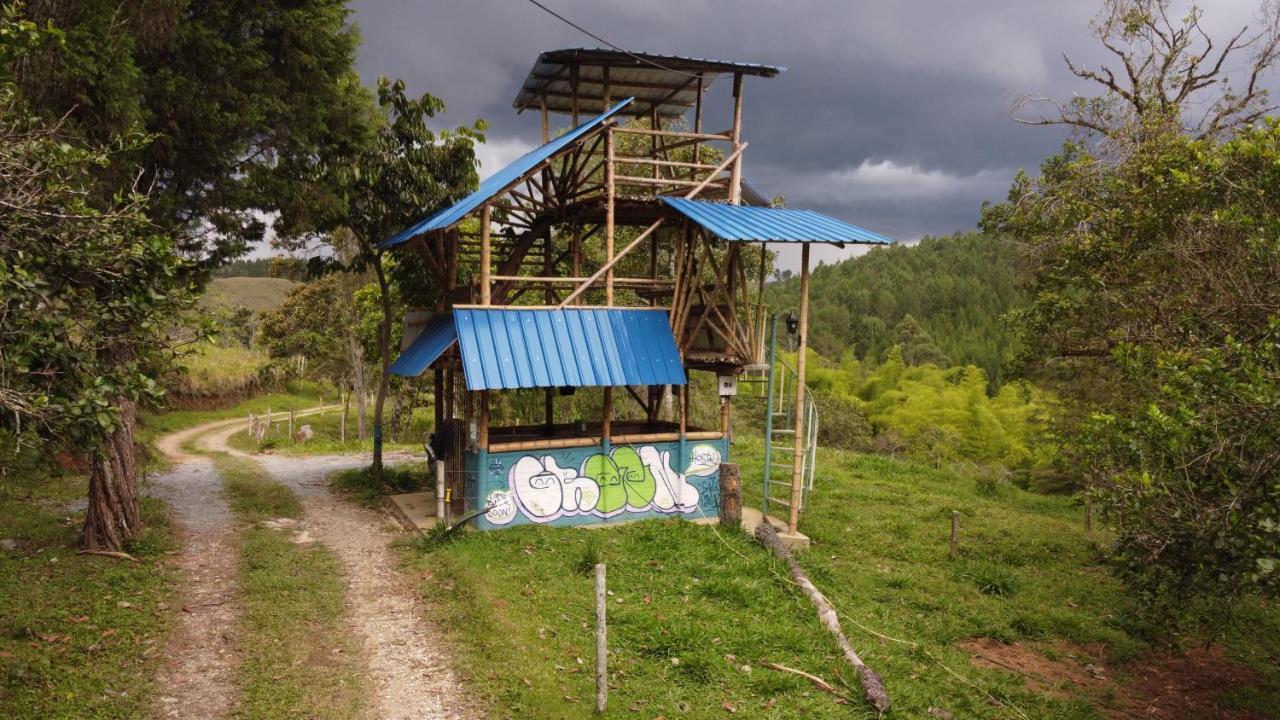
(219, 370)
(251, 493)
(259, 294)
(358, 484)
(520, 605)
(79, 634)
(326, 440)
(299, 659)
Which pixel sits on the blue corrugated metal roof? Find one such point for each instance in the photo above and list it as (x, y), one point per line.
(497, 182)
(430, 344)
(768, 224)
(512, 347)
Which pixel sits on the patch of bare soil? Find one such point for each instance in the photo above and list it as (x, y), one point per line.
(1159, 686)
(197, 679)
(406, 659)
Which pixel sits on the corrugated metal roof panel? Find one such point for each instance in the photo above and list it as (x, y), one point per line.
(505, 348)
(430, 344)
(769, 224)
(501, 180)
(669, 88)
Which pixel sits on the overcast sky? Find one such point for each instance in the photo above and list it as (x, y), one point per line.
(892, 115)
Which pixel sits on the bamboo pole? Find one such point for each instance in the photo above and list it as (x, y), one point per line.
(758, 340)
(485, 252)
(546, 125)
(608, 266)
(483, 420)
(797, 479)
(611, 191)
(735, 177)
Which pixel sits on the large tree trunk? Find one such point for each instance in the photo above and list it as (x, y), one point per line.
(113, 517)
(384, 351)
(360, 389)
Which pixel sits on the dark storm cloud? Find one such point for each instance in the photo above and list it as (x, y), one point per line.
(894, 116)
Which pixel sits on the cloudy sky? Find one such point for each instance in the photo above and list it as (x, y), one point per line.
(892, 115)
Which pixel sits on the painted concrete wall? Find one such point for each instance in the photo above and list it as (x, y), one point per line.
(578, 486)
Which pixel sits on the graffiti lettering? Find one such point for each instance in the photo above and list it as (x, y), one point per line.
(625, 480)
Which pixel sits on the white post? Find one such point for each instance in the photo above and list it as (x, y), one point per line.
(602, 642)
(439, 491)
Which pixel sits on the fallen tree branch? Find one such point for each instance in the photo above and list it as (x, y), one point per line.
(817, 681)
(872, 686)
(110, 554)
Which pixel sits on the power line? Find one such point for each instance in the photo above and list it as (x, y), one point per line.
(590, 34)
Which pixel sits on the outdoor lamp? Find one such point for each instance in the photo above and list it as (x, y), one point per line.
(793, 323)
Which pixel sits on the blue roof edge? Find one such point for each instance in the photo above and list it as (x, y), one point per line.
(501, 180)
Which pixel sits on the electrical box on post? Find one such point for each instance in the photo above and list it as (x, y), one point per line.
(728, 385)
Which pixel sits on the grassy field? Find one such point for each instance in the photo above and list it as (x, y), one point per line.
(258, 294)
(694, 610)
(299, 658)
(219, 370)
(78, 633)
(326, 440)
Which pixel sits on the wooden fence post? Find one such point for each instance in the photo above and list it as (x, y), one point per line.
(955, 533)
(290, 425)
(602, 642)
(730, 495)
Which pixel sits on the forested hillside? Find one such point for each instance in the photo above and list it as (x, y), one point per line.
(942, 300)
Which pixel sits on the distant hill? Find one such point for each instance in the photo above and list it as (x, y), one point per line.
(955, 289)
(258, 294)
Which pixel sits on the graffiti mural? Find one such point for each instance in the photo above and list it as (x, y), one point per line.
(626, 480)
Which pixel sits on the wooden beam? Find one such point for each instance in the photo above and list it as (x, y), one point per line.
(611, 192)
(486, 260)
(608, 266)
(797, 479)
(735, 178)
(710, 137)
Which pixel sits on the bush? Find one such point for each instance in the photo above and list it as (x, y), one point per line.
(841, 423)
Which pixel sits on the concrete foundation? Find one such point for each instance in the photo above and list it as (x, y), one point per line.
(751, 519)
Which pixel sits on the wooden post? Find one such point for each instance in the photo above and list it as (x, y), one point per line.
(797, 479)
(485, 251)
(250, 423)
(602, 641)
(573, 86)
(290, 425)
(955, 534)
(549, 296)
(483, 420)
(441, 509)
(759, 332)
(730, 495)
(546, 125)
(610, 193)
(684, 409)
(697, 129)
(735, 175)
(606, 421)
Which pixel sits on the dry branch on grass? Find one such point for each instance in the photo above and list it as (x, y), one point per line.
(872, 686)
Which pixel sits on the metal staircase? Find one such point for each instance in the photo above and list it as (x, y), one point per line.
(775, 381)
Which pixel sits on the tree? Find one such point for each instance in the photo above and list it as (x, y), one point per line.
(1172, 75)
(402, 172)
(238, 102)
(916, 345)
(88, 288)
(242, 98)
(318, 319)
(1155, 311)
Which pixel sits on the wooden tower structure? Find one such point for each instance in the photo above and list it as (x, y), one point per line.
(622, 254)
